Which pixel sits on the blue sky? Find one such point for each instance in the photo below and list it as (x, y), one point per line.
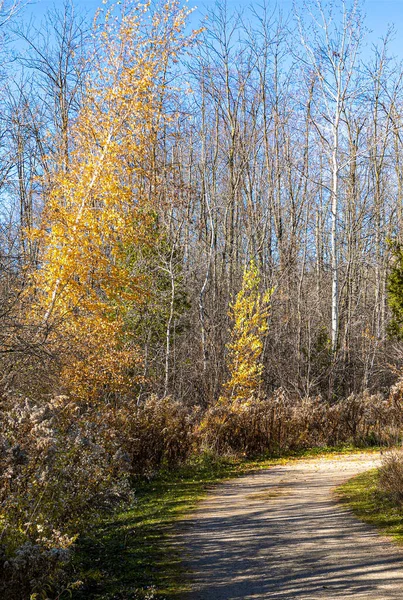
(379, 14)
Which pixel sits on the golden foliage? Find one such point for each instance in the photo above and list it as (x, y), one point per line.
(102, 198)
(249, 314)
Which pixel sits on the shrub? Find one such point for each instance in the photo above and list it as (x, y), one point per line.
(391, 476)
(61, 464)
(58, 469)
(32, 569)
(157, 433)
(281, 423)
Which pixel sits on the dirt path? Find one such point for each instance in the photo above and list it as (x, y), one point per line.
(279, 534)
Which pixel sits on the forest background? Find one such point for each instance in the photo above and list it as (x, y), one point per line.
(200, 250)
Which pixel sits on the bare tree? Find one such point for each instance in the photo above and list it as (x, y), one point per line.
(331, 42)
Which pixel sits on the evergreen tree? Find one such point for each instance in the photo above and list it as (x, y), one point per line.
(395, 292)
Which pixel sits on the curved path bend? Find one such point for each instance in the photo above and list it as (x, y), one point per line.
(279, 534)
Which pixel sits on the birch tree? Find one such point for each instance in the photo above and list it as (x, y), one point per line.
(331, 39)
(105, 201)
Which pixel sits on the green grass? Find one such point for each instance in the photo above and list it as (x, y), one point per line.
(131, 550)
(362, 496)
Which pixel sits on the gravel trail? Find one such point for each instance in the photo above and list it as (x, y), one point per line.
(280, 534)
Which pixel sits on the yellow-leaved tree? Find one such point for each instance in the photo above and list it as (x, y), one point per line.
(104, 200)
(249, 314)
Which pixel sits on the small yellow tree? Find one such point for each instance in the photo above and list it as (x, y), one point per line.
(249, 314)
